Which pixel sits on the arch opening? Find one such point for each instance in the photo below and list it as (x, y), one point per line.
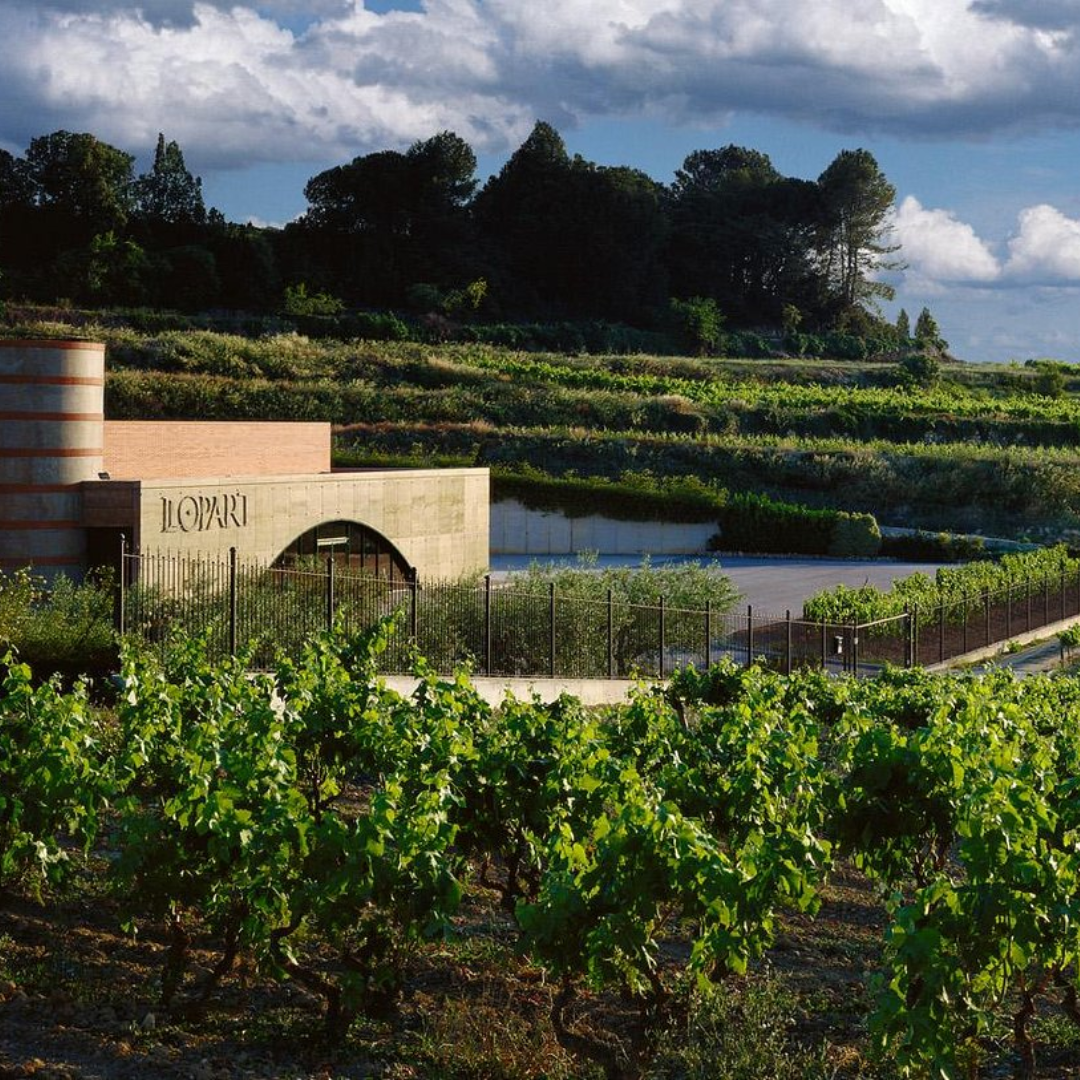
(352, 545)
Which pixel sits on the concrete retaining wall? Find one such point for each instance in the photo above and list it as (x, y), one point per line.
(517, 530)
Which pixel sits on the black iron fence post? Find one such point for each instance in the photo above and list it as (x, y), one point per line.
(986, 614)
(749, 634)
(708, 634)
(121, 596)
(663, 635)
(414, 614)
(610, 636)
(487, 624)
(232, 601)
(964, 610)
(1027, 592)
(787, 642)
(331, 599)
(824, 645)
(941, 633)
(551, 627)
(914, 634)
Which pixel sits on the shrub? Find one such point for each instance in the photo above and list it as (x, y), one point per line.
(59, 627)
(298, 301)
(855, 536)
(700, 320)
(922, 368)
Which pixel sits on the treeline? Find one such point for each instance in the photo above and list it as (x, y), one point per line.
(549, 238)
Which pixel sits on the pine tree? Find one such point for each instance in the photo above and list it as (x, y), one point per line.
(169, 194)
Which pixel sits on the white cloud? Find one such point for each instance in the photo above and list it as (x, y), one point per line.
(1046, 249)
(938, 247)
(942, 251)
(234, 84)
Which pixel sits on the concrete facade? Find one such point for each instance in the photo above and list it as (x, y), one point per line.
(517, 530)
(72, 482)
(436, 518)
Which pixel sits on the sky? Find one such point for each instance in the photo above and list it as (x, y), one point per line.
(971, 108)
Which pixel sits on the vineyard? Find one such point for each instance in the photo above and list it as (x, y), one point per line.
(987, 448)
(317, 873)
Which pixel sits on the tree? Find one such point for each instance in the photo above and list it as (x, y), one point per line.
(405, 212)
(85, 183)
(701, 321)
(16, 189)
(522, 215)
(740, 232)
(569, 237)
(927, 334)
(856, 199)
(168, 194)
(903, 326)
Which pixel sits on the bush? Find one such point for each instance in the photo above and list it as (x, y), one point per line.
(934, 547)
(752, 522)
(855, 536)
(59, 628)
(921, 368)
(700, 320)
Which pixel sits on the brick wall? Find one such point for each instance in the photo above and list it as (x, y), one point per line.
(171, 449)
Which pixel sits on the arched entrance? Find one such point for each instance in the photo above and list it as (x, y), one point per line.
(351, 545)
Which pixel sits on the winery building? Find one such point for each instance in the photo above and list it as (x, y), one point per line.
(72, 482)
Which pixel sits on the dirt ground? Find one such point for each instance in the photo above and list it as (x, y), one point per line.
(78, 1001)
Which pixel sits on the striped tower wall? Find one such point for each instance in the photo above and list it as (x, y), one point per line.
(52, 396)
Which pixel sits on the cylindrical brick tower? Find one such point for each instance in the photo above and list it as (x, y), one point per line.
(52, 400)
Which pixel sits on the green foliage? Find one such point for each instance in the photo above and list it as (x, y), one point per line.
(739, 1033)
(229, 789)
(854, 536)
(54, 776)
(751, 522)
(701, 322)
(927, 333)
(169, 194)
(933, 547)
(299, 302)
(955, 587)
(581, 644)
(466, 301)
(321, 824)
(1069, 639)
(921, 368)
(58, 627)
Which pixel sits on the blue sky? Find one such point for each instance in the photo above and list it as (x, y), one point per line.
(971, 107)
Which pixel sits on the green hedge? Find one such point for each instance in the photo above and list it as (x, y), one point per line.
(750, 522)
(747, 522)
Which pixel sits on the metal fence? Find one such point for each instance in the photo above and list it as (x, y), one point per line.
(510, 629)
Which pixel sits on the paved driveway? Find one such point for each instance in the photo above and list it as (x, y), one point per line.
(772, 585)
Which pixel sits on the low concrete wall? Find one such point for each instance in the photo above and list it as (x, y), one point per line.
(493, 690)
(517, 530)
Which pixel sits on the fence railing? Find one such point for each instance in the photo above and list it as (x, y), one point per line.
(509, 629)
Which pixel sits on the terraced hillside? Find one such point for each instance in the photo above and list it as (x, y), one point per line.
(965, 448)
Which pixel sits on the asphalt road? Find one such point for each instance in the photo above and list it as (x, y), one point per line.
(771, 585)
